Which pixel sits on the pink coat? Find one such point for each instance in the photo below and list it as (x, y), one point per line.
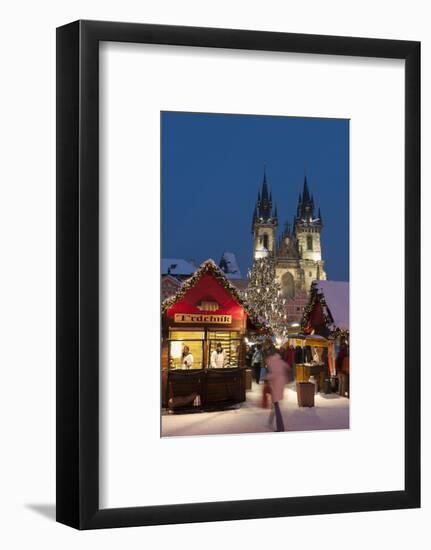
(277, 376)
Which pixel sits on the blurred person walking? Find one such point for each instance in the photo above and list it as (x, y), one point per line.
(277, 377)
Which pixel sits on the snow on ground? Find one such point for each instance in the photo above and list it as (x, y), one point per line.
(331, 412)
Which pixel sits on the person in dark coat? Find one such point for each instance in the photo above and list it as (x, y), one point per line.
(299, 355)
(248, 356)
(340, 357)
(256, 363)
(307, 354)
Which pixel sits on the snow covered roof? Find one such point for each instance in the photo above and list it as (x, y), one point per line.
(241, 284)
(229, 266)
(210, 266)
(336, 295)
(169, 286)
(172, 266)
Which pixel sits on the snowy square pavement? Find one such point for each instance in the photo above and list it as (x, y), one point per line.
(331, 412)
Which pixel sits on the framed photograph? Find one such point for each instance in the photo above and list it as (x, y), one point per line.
(238, 274)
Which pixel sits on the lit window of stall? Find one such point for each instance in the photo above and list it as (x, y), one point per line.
(186, 349)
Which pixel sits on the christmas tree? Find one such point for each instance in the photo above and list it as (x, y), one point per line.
(264, 295)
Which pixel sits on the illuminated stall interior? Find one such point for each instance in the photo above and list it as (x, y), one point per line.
(201, 344)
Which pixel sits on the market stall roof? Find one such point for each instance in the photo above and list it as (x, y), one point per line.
(301, 336)
(209, 266)
(240, 284)
(169, 286)
(336, 297)
(310, 339)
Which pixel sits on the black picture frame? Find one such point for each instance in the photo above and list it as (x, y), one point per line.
(78, 274)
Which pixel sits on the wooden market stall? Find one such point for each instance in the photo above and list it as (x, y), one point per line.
(203, 351)
(310, 356)
(327, 315)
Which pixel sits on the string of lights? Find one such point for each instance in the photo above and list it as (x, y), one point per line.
(265, 295)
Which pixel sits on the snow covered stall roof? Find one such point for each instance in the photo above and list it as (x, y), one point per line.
(209, 266)
(336, 295)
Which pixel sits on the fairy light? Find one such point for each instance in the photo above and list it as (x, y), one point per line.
(265, 295)
(210, 266)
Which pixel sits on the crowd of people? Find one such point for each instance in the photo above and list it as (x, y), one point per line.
(272, 367)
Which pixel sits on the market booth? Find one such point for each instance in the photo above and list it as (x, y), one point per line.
(205, 315)
(327, 316)
(312, 356)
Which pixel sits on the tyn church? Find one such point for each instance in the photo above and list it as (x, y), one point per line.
(297, 252)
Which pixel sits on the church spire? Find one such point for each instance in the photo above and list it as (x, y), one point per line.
(305, 192)
(263, 208)
(305, 210)
(265, 187)
(264, 222)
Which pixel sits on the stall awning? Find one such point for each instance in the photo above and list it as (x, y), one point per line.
(309, 340)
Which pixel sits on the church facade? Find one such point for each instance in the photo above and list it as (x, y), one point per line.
(297, 252)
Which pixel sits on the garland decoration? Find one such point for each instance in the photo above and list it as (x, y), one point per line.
(209, 266)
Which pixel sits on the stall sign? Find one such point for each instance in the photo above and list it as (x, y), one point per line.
(189, 318)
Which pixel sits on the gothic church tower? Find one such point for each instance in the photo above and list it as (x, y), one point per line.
(264, 224)
(307, 229)
(297, 252)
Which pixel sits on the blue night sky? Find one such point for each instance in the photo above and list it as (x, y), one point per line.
(212, 169)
